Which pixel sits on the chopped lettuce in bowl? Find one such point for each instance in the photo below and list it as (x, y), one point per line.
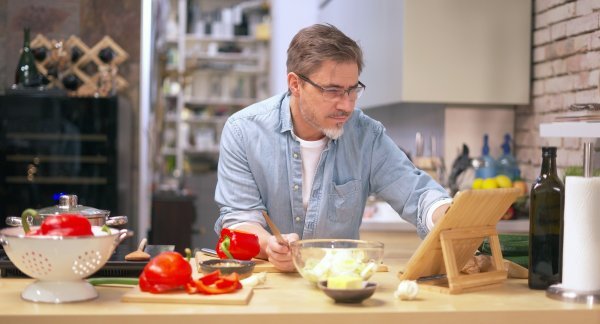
(318, 260)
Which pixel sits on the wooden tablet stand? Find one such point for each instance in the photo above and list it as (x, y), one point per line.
(455, 239)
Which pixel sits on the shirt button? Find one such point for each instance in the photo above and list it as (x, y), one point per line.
(295, 187)
(295, 155)
(297, 218)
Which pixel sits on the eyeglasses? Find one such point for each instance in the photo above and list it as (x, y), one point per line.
(332, 94)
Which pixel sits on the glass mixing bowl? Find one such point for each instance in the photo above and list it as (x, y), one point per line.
(317, 260)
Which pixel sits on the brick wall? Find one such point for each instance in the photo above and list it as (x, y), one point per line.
(566, 70)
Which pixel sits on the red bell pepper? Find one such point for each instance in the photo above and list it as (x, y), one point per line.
(64, 225)
(214, 283)
(166, 271)
(210, 278)
(235, 244)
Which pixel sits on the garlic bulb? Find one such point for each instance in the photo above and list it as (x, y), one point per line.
(407, 290)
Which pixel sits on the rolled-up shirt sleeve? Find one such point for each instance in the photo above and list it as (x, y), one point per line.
(409, 190)
(431, 210)
(236, 193)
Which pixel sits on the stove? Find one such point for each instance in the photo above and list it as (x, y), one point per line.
(116, 266)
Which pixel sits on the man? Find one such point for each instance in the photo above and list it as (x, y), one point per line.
(310, 159)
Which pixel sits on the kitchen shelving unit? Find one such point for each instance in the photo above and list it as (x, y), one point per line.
(210, 76)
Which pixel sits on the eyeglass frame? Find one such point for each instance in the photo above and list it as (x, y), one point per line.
(330, 90)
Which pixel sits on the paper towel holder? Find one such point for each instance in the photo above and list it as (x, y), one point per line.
(588, 149)
(581, 130)
(558, 292)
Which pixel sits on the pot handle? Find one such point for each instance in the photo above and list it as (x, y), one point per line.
(116, 220)
(13, 221)
(122, 235)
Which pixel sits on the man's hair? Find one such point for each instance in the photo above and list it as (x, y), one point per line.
(318, 43)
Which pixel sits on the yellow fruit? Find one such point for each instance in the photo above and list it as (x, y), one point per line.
(477, 183)
(503, 181)
(489, 183)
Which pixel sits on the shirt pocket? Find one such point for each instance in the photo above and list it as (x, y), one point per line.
(344, 201)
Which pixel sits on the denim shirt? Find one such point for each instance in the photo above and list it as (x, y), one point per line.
(260, 168)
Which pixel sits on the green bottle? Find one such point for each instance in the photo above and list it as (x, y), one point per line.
(546, 224)
(27, 74)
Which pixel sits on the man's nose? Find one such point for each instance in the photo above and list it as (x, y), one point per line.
(345, 103)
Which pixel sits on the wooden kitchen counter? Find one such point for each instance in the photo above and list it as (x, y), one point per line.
(288, 299)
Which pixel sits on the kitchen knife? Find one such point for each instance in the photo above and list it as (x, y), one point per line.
(209, 252)
(155, 250)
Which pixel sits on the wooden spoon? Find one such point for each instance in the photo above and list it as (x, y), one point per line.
(275, 230)
(139, 254)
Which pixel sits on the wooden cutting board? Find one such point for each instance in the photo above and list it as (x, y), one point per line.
(240, 297)
(471, 208)
(264, 265)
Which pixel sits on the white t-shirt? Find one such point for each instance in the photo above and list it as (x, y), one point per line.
(311, 153)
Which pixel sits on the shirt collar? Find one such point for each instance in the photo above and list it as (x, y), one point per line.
(286, 118)
(286, 115)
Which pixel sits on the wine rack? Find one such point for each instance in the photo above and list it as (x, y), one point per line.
(86, 64)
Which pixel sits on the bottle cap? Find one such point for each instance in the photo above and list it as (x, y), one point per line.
(549, 151)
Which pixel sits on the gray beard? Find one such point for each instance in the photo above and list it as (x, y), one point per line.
(332, 133)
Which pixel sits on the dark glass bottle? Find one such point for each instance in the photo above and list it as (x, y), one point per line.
(546, 224)
(27, 74)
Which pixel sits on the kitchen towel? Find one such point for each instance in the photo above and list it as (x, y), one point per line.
(581, 239)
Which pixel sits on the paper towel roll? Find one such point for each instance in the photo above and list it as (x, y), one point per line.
(581, 240)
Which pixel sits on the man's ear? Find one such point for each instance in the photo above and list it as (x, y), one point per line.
(293, 84)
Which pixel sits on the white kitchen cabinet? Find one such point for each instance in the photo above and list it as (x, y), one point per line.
(439, 51)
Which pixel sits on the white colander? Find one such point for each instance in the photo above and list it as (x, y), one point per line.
(59, 263)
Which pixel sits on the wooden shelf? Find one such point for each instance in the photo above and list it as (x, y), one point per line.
(570, 129)
(50, 180)
(168, 151)
(207, 152)
(241, 102)
(208, 39)
(235, 57)
(197, 120)
(235, 39)
(226, 68)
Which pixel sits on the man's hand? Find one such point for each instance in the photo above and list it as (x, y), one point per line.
(281, 255)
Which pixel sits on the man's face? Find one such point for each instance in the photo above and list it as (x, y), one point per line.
(315, 114)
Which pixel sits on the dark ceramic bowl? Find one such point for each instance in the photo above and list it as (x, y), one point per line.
(349, 295)
(227, 266)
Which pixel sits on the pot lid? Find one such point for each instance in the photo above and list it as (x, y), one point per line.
(68, 204)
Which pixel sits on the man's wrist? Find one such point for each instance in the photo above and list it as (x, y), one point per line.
(429, 221)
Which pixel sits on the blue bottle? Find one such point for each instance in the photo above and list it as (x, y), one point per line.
(507, 164)
(486, 167)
